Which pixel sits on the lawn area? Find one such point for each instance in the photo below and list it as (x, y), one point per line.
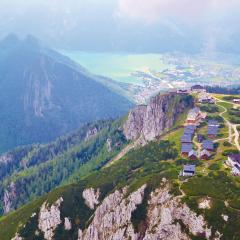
(175, 137)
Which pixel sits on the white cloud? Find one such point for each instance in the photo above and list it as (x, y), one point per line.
(152, 11)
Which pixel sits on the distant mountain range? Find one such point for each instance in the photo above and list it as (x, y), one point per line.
(44, 94)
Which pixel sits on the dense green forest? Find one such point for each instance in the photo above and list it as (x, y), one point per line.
(35, 170)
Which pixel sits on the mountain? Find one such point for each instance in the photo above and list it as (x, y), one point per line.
(93, 160)
(137, 193)
(45, 95)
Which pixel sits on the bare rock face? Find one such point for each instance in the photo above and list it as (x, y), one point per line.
(17, 237)
(112, 219)
(91, 133)
(164, 214)
(109, 145)
(67, 224)
(6, 158)
(149, 121)
(49, 219)
(91, 197)
(10, 195)
(167, 217)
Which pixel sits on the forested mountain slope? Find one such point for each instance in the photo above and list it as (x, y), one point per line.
(31, 171)
(45, 95)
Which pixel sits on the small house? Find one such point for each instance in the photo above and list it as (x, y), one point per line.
(192, 155)
(213, 123)
(188, 170)
(205, 154)
(212, 131)
(208, 145)
(186, 148)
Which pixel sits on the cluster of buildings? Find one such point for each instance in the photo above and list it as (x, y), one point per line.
(207, 146)
(205, 98)
(194, 118)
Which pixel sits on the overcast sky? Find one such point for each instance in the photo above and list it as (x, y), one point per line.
(120, 23)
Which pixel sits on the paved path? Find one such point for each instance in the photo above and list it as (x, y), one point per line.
(197, 144)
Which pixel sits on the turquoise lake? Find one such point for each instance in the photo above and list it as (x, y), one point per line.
(118, 67)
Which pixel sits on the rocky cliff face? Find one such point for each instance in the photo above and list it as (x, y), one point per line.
(10, 195)
(166, 217)
(146, 122)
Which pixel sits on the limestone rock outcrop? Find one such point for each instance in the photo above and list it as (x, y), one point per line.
(165, 214)
(146, 122)
(49, 218)
(10, 195)
(112, 219)
(91, 197)
(166, 217)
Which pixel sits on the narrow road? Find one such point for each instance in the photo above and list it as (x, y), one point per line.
(232, 127)
(236, 136)
(197, 144)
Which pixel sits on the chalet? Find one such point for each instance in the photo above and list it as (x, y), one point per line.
(208, 145)
(233, 161)
(188, 170)
(186, 138)
(237, 101)
(186, 148)
(213, 123)
(198, 89)
(200, 138)
(192, 155)
(194, 116)
(205, 154)
(212, 131)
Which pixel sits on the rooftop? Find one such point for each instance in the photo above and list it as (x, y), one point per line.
(189, 168)
(208, 144)
(235, 157)
(195, 87)
(212, 130)
(186, 138)
(187, 147)
(193, 113)
(192, 153)
(205, 152)
(213, 123)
